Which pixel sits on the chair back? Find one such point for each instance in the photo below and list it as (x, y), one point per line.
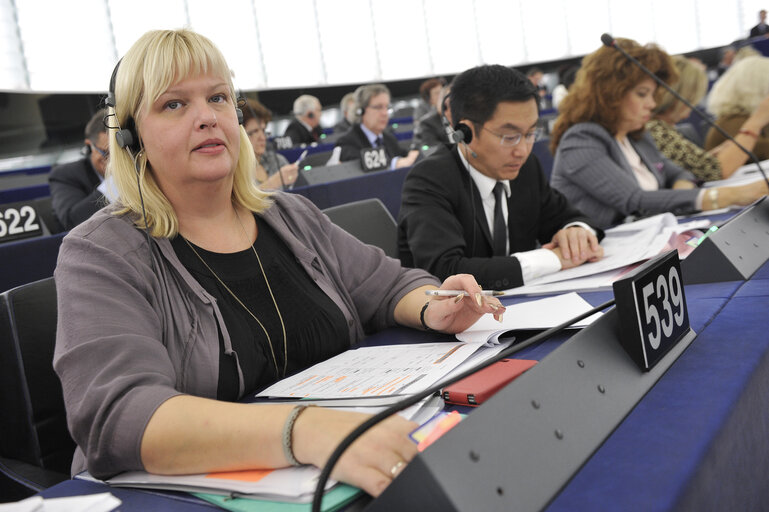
(369, 221)
(27, 260)
(33, 425)
(541, 148)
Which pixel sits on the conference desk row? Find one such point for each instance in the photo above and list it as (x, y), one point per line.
(698, 440)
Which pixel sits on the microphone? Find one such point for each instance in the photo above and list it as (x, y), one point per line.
(411, 400)
(609, 41)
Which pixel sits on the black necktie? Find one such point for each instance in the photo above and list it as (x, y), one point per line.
(500, 227)
(378, 142)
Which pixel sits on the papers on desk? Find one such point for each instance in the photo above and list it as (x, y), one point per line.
(102, 502)
(537, 314)
(742, 176)
(625, 246)
(293, 484)
(376, 375)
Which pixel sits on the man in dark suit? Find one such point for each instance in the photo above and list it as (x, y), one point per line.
(372, 116)
(762, 29)
(74, 193)
(484, 207)
(305, 127)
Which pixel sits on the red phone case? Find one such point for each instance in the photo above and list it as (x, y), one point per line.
(480, 386)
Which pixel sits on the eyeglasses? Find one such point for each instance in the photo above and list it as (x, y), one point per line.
(513, 140)
(389, 108)
(103, 152)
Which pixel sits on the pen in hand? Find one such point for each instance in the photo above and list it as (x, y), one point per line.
(455, 293)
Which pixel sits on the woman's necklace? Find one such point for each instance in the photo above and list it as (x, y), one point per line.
(280, 317)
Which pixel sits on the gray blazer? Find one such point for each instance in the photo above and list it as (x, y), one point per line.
(132, 334)
(594, 175)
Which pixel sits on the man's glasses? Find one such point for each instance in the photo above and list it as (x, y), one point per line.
(389, 108)
(514, 139)
(103, 152)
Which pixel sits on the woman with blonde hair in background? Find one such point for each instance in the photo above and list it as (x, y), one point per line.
(717, 164)
(739, 101)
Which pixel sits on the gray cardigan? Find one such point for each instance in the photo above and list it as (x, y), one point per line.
(131, 335)
(593, 173)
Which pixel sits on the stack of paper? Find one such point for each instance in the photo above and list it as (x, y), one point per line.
(625, 246)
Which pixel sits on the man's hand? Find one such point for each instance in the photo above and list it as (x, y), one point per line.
(574, 246)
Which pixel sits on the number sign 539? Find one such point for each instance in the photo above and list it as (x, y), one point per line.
(652, 309)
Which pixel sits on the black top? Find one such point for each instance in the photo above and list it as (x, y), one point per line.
(315, 327)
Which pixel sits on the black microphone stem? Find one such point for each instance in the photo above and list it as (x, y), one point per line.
(411, 400)
(608, 40)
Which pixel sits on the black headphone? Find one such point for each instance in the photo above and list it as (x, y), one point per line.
(126, 136)
(462, 133)
(310, 114)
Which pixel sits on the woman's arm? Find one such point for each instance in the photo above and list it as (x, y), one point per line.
(732, 157)
(189, 434)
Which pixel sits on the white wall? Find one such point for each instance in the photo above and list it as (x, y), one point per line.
(72, 45)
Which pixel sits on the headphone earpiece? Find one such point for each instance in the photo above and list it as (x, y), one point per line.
(86, 150)
(462, 133)
(359, 111)
(310, 114)
(239, 113)
(125, 137)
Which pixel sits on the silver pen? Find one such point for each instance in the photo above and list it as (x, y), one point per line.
(455, 293)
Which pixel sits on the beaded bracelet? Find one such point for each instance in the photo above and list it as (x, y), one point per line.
(288, 429)
(422, 316)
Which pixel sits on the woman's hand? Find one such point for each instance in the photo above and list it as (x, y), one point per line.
(290, 172)
(455, 314)
(371, 462)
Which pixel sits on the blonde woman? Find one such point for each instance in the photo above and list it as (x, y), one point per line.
(198, 288)
(739, 100)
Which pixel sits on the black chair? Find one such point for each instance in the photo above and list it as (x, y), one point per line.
(35, 446)
(44, 209)
(27, 260)
(369, 221)
(541, 148)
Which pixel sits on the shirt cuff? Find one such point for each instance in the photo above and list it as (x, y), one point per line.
(394, 163)
(581, 225)
(537, 263)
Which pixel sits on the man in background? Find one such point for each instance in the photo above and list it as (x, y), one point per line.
(762, 29)
(372, 114)
(347, 107)
(305, 127)
(74, 193)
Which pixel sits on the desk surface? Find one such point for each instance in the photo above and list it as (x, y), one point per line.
(696, 441)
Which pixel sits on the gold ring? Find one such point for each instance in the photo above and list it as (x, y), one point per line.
(396, 467)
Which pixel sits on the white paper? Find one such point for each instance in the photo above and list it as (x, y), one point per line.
(390, 370)
(623, 245)
(102, 502)
(292, 484)
(536, 314)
